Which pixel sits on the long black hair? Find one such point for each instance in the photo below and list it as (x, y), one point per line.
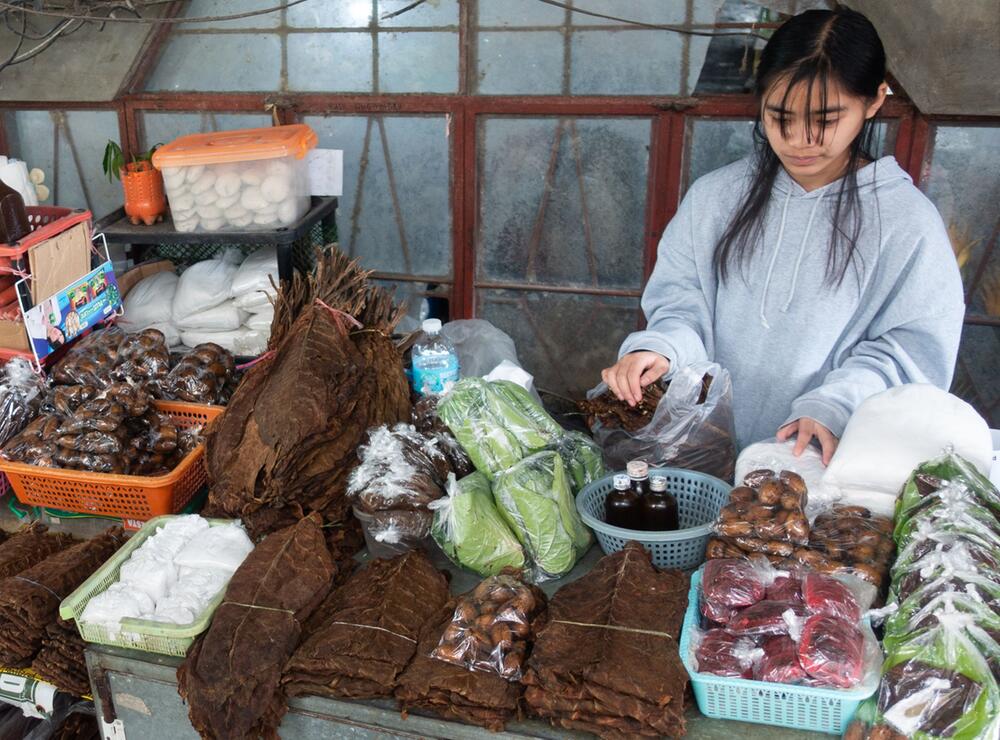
(811, 48)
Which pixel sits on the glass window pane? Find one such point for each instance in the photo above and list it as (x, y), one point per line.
(527, 62)
(962, 181)
(976, 378)
(335, 62)
(517, 13)
(714, 143)
(728, 65)
(162, 128)
(642, 11)
(626, 63)
(437, 13)
(219, 62)
(564, 340)
(73, 171)
(326, 14)
(418, 62)
(417, 240)
(569, 208)
(209, 8)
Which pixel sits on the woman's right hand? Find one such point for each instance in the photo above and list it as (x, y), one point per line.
(627, 377)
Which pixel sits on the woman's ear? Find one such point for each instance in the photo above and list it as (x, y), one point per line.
(876, 104)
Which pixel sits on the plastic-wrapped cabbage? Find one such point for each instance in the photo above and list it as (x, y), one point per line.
(932, 480)
(939, 683)
(952, 513)
(536, 498)
(582, 458)
(497, 423)
(471, 532)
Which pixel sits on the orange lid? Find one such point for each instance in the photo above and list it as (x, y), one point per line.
(237, 146)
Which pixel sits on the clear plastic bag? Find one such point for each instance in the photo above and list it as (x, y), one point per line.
(91, 360)
(845, 598)
(471, 532)
(775, 455)
(721, 653)
(832, 651)
(582, 458)
(480, 346)
(201, 376)
(491, 628)
(692, 426)
(252, 285)
(400, 469)
(143, 358)
(770, 508)
(734, 582)
(21, 395)
(780, 661)
(766, 618)
(205, 285)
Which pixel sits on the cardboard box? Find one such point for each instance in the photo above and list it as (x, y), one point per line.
(13, 335)
(58, 261)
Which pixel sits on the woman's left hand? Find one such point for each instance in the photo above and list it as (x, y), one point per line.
(804, 430)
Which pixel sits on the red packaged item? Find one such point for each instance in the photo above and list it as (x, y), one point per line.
(824, 594)
(717, 613)
(780, 663)
(785, 588)
(733, 582)
(767, 618)
(724, 654)
(832, 651)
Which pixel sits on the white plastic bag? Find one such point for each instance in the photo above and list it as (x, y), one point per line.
(261, 321)
(205, 285)
(150, 302)
(252, 282)
(895, 431)
(480, 346)
(224, 548)
(778, 456)
(224, 317)
(243, 342)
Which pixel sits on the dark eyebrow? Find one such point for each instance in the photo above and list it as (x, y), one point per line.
(821, 112)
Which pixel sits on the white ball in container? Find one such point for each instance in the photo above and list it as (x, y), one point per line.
(228, 184)
(252, 199)
(203, 183)
(243, 220)
(179, 215)
(206, 198)
(194, 172)
(265, 217)
(275, 188)
(278, 168)
(188, 224)
(212, 224)
(234, 211)
(173, 177)
(209, 211)
(252, 174)
(225, 201)
(182, 202)
(288, 211)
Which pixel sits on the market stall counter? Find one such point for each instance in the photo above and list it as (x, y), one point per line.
(136, 693)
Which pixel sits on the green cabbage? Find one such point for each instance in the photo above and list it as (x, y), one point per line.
(470, 531)
(582, 458)
(536, 499)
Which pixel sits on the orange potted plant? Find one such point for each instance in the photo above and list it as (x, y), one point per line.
(145, 201)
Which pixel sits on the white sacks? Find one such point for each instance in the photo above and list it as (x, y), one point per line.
(204, 285)
(895, 431)
(150, 304)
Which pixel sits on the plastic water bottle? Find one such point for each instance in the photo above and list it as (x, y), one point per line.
(435, 362)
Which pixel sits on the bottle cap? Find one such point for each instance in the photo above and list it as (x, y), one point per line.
(431, 326)
(637, 469)
(621, 482)
(658, 483)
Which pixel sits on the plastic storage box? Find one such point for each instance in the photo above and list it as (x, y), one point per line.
(246, 179)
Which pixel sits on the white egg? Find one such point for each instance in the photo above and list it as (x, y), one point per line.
(252, 200)
(228, 184)
(278, 168)
(241, 221)
(264, 218)
(253, 174)
(194, 172)
(173, 176)
(275, 189)
(189, 224)
(203, 183)
(184, 201)
(212, 224)
(225, 201)
(288, 211)
(209, 211)
(182, 215)
(235, 211)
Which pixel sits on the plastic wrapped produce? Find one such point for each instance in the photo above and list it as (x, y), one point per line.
(767, 618)
(582, 458)
(497, 423)
(491, 627)
(824, 594)
(786, 588)
(722, 653)
(91, 360)
(400, 469)
(21, 393)
(734, 582)
(143, 358)
(202, 375)
(471, 532)
(780, 661)
(923, 486)
(535, 498)
(832, 651)
(769, 507)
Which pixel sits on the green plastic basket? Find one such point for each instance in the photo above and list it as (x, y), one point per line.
(136, 634)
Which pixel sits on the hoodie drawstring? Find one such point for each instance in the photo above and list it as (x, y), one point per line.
(802, 251)
(774, 259)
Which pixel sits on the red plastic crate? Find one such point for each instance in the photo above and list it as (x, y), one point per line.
(45, 222)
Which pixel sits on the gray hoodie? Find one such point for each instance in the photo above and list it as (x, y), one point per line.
(795, 345)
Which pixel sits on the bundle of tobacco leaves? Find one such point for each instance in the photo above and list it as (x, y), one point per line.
(31, 544)
(615, 414)
(287, 443)
(29, 601)
(61, 661)
(230, 677)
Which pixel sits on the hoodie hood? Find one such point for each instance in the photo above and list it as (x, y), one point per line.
(880, 173)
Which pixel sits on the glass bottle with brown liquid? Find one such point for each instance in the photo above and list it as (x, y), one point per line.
(13, 216)
(659, 507)
(621, 507)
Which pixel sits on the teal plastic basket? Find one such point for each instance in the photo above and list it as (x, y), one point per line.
(700, 497)
(783, 705)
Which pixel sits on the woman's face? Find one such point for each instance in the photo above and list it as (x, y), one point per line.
(815, 149)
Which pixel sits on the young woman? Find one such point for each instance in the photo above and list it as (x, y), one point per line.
(817, 275)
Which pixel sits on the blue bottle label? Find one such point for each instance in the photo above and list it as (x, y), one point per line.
(436, 379)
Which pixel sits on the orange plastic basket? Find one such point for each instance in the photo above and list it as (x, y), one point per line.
(123, 496)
